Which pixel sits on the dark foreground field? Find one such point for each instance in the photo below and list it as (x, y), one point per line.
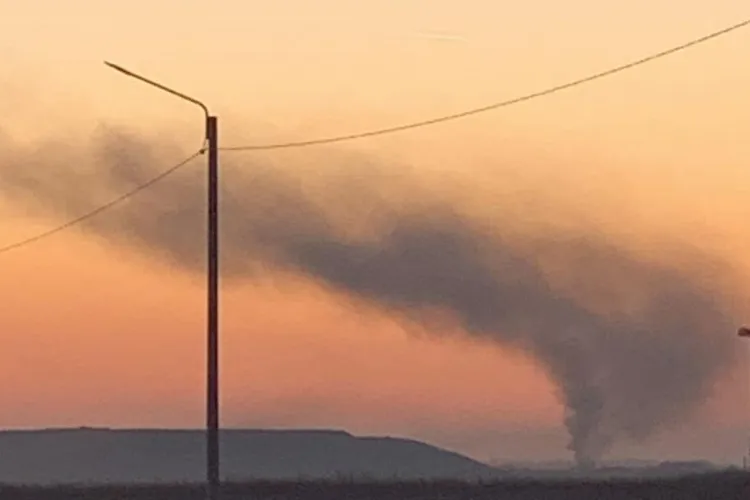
(725, 486)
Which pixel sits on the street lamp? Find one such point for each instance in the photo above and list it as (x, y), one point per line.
(212, 386)
(744, 332)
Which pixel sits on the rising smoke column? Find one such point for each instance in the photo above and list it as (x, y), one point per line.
(624, 370)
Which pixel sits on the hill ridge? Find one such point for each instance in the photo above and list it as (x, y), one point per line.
(103, 455)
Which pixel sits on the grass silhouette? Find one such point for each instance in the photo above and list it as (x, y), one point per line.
(725, 486)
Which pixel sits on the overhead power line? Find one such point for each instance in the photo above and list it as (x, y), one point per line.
(494, 106)
(371, 133)
(100, 209)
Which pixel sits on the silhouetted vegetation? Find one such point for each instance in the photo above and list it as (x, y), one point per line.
(725, 486)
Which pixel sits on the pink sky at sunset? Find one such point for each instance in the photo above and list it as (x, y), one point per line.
(95, 333)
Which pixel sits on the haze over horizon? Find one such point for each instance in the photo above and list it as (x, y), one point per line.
(620, 202)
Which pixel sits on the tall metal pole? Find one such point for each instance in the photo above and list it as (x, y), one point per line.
(212, 393)
(744, 333)
(212, 372)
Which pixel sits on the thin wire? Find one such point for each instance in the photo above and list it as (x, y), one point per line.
(491, 107)
(100, 209)
(371, 133)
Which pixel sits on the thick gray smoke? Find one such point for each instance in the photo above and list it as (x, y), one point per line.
(633, 345)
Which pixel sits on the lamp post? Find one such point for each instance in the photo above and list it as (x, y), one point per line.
(212, 386)
(744, 332)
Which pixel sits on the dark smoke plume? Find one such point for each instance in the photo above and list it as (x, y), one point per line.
(633, 345)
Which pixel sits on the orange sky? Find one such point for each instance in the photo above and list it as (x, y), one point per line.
(98, 336)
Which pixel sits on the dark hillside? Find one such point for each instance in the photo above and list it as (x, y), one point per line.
(168, 456)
